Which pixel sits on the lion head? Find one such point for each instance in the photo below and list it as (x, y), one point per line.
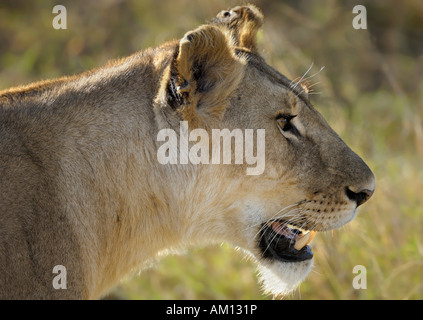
(311, 180)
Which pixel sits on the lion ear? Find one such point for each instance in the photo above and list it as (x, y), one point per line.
(205, 72)
(243, 22)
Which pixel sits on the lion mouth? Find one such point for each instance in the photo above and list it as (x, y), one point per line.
(287, 243)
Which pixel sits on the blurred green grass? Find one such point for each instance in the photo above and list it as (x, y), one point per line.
(370, 91)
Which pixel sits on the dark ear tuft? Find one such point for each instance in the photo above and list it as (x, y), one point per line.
(189, 37)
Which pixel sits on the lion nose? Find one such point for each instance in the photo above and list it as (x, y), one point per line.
(360, 196)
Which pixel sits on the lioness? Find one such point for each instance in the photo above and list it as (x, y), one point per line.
(81, 187)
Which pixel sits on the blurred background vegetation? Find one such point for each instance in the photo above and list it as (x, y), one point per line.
(370, 91)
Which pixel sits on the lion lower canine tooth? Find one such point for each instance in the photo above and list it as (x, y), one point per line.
(302, 241)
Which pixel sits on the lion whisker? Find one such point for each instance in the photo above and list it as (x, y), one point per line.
(275, 216)
(301, 79)
(315, 74)
(286, 223)
(294, 211)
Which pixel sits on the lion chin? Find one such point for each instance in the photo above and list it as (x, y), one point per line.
(281, 278)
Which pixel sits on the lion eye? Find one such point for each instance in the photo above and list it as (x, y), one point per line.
(284, 122)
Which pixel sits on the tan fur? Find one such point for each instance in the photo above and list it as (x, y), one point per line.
(242, 23)
(80, 184)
